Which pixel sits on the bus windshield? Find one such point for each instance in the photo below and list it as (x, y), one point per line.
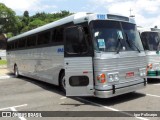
(110, 36)
(150, 40)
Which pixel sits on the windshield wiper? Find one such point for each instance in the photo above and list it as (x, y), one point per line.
(119, 44)
(130, 42)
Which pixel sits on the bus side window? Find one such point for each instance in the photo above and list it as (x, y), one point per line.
(16, 44)
(31, 41)
(75, 42)
(71, 38)
(9, 45)
(57, 35)
(12, 45)
(21, 43)
(44, 38)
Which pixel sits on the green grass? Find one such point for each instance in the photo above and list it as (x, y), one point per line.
(3, 62)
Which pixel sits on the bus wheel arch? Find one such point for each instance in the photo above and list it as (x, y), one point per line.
(62, 80)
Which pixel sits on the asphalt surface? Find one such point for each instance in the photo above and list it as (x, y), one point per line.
(25, 94)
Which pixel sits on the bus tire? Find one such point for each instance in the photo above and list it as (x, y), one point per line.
(62, 82)
(16, 72)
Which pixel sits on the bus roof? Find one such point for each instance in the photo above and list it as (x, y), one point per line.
(75, 18)
(141, 29)
(45, 27)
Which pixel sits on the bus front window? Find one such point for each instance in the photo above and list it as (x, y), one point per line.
(150, 40)
(110, 36)
(132, 37)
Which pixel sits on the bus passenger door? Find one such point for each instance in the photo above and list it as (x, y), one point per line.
(78, 63)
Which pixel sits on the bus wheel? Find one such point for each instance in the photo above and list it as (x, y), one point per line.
(62, 82)
(16, 72)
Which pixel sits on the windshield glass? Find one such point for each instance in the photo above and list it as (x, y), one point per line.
(109, 36)
(150, 40)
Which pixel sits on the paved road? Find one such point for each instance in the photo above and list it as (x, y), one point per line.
(25, 94)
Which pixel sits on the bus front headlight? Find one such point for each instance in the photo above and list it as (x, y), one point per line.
(156, 66)
(113, 77)
(152, 67)
(116, 77)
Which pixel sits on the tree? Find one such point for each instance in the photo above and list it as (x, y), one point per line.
(25, 19)
(26, 14)
(36, 23)
(3, 41)
(13, 25)
(43, 18)
(8, 20)
(40, 16)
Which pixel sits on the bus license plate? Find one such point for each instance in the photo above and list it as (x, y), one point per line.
(129, 74)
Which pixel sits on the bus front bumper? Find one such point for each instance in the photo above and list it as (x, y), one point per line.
(119, 91)
(157, 77)
(153, 74)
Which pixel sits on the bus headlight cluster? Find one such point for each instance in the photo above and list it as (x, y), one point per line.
(155, 66)
(101, 78)
(113, 77)
(142, 72)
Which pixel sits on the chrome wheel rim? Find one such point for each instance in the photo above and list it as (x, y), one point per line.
(63, 83)
(16, 71)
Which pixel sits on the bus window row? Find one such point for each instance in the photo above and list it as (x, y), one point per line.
(39, 39)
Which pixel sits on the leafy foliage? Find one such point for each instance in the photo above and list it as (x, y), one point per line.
(36, 23)
(8, 20)
(13, 25)
(3, 62)
(39, 19)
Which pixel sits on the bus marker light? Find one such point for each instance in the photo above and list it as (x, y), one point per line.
(116, 77)
(111, 78)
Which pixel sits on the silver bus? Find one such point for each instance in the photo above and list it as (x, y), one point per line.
(151, 43)
(85, 54)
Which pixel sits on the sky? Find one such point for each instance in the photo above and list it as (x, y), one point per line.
(146, 11)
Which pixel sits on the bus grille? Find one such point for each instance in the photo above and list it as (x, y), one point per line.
(119, 63)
